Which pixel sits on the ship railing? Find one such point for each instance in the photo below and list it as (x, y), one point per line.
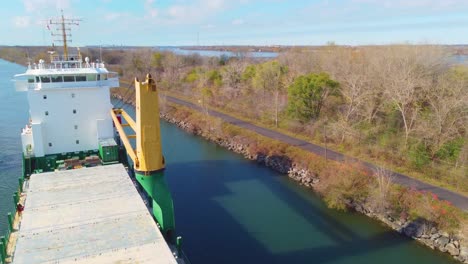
(61, 58)
(95, 65)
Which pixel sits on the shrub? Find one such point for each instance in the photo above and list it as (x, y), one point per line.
(344, 184)
(419, 156)
(380, 191)
(450, 150)
(412, 204)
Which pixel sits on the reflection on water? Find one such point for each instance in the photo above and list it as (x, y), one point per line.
(217, 53)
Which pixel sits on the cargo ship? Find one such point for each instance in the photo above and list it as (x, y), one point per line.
(86, 194)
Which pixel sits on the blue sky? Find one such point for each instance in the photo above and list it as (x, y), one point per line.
(239, 22)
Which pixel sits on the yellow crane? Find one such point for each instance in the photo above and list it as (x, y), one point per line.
(148, 160)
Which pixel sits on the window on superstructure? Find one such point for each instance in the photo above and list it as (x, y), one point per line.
(44, 96)
(77, 141)
(76, 127)
(31, 79)
(103, 77)
(50, 144)
(68, 78)
(72, 95)
(45, 79)
(37, 79)
(74, 111)
(57, 79)
(91, 77)
(80, 78)
(46, 113)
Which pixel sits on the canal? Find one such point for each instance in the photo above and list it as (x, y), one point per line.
(231, 210)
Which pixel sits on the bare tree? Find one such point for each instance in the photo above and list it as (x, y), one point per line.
(408, 75)
(380, 194)
(448, 114)
(232, 76)
(172, 68)
(351, 68)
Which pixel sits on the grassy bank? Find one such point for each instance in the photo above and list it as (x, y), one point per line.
(343, 186)
(456, 184)
(402, 107)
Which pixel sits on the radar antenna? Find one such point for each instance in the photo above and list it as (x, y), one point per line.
(62, 27)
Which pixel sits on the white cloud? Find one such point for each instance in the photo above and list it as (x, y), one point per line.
(21, 21)
(32, 6)
(150, 10)
(195, 11)
(237, 21)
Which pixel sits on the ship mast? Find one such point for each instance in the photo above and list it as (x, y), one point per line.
(61, 29)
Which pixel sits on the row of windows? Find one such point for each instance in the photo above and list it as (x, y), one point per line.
(76, 141)
(67, 78)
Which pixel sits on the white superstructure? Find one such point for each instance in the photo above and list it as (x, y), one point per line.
(69, 104)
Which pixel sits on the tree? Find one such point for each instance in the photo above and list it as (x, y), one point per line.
(380, 191)
(447, 113)
(268, 78)
(172, 66)
(351, 68)
(307, 95)
(157, 61)
(139, 64)
(232, 74)
(408, 75)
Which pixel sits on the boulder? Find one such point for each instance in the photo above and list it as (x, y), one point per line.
(414, 229)
(442, 241)
(452, 249)
(261, 158)
(464, 253)
(428, 242)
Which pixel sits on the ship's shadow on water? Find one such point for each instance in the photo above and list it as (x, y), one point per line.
(232, 213)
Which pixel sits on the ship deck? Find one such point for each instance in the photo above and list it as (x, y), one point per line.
(88, 215)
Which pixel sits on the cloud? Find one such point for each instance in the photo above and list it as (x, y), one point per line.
(196, 11)
(32, 6)
(237, 21)
(21, 21)
(150, 10)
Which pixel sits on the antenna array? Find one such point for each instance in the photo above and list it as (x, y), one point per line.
(60, 30)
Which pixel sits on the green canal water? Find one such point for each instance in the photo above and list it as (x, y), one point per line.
(230, 210)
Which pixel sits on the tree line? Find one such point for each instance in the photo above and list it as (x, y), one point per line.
(403, 105)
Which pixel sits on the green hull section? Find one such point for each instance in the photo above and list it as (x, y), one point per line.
(163, 207)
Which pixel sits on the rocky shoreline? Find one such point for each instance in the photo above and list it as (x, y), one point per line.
(457, 247)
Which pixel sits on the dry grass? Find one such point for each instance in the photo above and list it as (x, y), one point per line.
(342, 184)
